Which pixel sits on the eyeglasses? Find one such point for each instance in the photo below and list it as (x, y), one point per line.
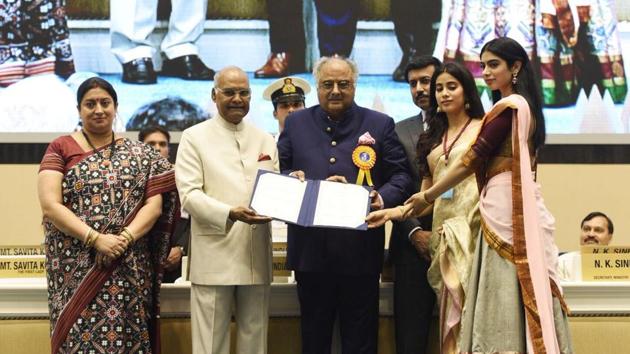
(231, 92)
(329, 85)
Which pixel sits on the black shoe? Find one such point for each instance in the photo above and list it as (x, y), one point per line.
(187, 67)
(139, 71)
(399, 73)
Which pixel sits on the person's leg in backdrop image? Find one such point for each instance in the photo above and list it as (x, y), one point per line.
(133, 22)
(413, 25)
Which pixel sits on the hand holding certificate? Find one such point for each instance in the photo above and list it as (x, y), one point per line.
(311, 203)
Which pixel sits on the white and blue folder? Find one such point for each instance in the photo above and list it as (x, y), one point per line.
(312, 202)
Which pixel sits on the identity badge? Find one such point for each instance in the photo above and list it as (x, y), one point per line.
(448, 194)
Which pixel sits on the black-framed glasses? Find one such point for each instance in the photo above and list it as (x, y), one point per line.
(231, 92)
(330, 84)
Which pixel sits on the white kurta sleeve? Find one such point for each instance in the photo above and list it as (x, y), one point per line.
(189, 175)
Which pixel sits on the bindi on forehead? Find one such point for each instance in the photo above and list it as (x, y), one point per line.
(90, 101)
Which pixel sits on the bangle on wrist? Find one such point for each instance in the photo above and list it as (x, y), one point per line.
(126, 233)
(96, 236)
(128, 237)
(91, 237)
(87, 235)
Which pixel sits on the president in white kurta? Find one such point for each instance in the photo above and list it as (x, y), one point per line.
(230, 264)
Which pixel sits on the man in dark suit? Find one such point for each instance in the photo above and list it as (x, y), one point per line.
(413, 297)
(337, 270)
(413, 24)
(336, 29)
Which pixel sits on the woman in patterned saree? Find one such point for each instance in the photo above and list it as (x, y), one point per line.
(452, 127)
(514, 302)
(109, 205)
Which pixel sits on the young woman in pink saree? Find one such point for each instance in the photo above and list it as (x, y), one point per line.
(109, 207)
(514, 302)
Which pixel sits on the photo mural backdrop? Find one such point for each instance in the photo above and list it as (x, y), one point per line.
(577, 47)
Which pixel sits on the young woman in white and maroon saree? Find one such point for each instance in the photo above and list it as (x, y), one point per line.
(109, 208)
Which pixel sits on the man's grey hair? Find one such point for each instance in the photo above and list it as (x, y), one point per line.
(317, 68)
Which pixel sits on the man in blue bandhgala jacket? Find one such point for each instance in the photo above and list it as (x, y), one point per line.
(337, 270)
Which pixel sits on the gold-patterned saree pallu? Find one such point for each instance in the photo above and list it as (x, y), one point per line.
(455, 231)
(115, 309)
(517, 226)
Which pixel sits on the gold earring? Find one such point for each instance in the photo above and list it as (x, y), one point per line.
(439, 109)
(467, 106)
(514, 79)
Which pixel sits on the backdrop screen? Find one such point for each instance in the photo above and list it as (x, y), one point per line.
(581, 57)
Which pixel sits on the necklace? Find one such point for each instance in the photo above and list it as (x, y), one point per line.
(446, 150)
(94, 150)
